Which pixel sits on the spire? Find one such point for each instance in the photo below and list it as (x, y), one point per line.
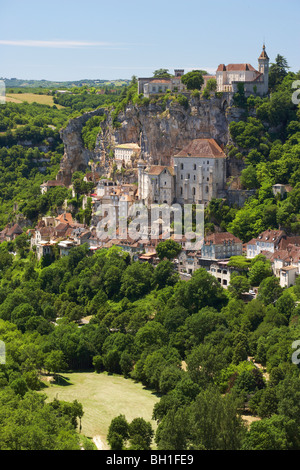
(263, 55)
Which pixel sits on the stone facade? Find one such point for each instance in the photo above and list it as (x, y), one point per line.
(156, 184)
(200, 170)
(198, 174)
(152, 86)
(255, 81)
(125, 152)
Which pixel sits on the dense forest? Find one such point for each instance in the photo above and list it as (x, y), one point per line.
(188, 341)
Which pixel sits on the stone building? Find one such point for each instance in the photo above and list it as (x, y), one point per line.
(200, 172)
(255, 81)
(156, 184)
(267, 241)
(124, 153)
(221, 246)
(153, 85)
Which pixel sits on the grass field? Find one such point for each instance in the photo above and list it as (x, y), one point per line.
(31, 98)
(104, 397)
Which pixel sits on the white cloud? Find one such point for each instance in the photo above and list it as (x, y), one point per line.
(56, 43)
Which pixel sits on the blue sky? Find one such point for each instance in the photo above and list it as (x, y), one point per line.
(72, 39)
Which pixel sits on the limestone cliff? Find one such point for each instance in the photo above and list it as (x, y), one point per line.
(160, 130)
(76, 156)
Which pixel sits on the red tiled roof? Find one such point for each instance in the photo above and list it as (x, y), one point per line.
(206, 148)
(158, 169)
(271, 236)
(161, 80)
(65, 218)
(220, 237)
(236, 68)
(14, 230)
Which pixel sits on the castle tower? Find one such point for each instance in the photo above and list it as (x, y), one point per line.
(263, 67)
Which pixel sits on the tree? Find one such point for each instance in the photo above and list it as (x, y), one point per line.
(126, 363)
(238, 286)
(193, 80)
(269, 290)
(258, 271)
(55, 362)
(165, 275)
(136, 280)
(161, 73)
(211, 85)
(141, 434)
(118, 432)
(239, 97)
(278, 70)
(248, 178)
(267, 434)
(168, 249)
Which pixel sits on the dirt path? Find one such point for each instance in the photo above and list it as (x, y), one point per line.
(99, 443)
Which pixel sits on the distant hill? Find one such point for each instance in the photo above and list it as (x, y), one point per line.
(19, 83)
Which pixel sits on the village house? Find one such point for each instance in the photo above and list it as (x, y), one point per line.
(255, 81)
(153, 85)
(50, 184)
(10, 233)
(281, 189)
(221, 246)
(266, 241)
(222, 272)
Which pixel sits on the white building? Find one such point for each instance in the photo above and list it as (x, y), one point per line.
(266, 241)
(288, 275)
(255, 81)
(156, 184)
(124, 153)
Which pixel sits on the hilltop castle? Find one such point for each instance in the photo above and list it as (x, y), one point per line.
(255, 81)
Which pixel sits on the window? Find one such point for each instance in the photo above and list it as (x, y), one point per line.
(194, 191)
(195, 167)
(206, 189)
(181, 166)
(194, 177)
(188, 176)
(208, 162)
(181, 190)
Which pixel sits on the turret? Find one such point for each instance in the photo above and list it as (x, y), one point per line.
(263, 67)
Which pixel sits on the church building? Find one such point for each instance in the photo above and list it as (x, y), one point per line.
(197, 175)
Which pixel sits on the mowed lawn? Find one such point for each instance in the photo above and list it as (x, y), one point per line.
(31, 98)
(104, 397)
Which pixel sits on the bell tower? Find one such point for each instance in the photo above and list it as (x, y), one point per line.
(263, 67)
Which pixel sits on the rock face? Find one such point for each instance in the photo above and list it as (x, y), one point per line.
(76, 156)
(161, 131)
